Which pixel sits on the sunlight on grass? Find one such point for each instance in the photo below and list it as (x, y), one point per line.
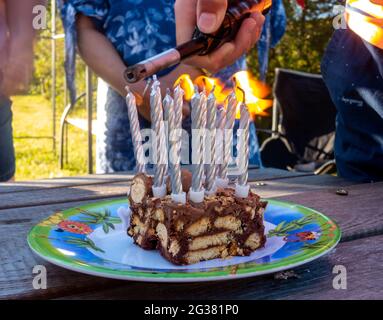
(32, 116)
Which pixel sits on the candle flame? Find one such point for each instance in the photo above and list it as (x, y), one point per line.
(255, 91)
(187, 86)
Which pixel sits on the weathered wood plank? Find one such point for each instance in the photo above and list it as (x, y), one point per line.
(363, 260)
(363, 207)
(17, 261)
(62, 195)
(26, 186)
(297, 185)
(280, 187)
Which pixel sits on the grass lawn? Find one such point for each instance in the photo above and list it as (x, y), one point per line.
(32, 116)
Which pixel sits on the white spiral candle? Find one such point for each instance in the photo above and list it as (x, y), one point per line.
(178, 107)
(198, 115)
(156, 113)
(243, 145)
(242, 189)
(135, 130)
(228, 134)
(174, 152)
(211, 126)
(221, 120)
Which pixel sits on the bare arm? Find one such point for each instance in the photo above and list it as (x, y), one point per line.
(100, 55)
(19, 64)
(19, 20)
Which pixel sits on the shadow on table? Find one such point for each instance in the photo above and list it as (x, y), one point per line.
(305, 280)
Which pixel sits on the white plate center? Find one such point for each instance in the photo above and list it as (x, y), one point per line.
(119, 247)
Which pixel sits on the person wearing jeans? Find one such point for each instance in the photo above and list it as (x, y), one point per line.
(7, 152)
(16, 62)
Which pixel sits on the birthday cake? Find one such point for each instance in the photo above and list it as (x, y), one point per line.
(193, 217)
(221, 226)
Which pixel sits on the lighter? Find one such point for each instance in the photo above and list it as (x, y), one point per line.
(201, 43)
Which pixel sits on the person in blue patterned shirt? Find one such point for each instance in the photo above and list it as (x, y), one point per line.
(113, 34)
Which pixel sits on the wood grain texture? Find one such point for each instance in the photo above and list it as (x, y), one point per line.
(297, 185)
(17, 260)
(362, 258)
(62, 195)
(276, 187)
(363, 207)
(25, 186)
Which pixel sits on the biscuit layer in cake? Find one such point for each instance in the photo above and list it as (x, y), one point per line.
(221, 226)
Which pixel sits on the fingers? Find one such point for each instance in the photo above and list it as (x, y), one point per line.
(249, 33)
(207, 14)
(186, 19)
(228, 53)
(210, 14)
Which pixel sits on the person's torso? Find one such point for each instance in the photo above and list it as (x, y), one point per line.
(351, 73)
(140, 29)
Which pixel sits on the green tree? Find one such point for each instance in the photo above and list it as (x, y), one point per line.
(42, 79)
(307, 34)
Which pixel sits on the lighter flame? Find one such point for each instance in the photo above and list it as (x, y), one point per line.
(255, 91)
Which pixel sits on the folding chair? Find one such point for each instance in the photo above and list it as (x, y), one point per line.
(303, 124)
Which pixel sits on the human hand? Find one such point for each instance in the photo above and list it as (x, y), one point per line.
(209, 15)
(17, 72)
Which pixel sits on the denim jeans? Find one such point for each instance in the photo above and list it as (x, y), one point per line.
(353, 72)
(7, 152)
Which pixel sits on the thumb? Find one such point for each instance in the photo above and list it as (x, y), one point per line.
(210, 14)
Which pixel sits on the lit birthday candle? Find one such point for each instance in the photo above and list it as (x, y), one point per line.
(156, 112)
(173, 114)
(211, 126)
(135, 130)
(231, 110)
(198, 104)
(242, 188)
(221, 121)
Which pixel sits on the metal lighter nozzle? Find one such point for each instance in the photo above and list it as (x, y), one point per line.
(152, 66)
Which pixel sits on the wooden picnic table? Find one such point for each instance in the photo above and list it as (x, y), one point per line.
(360, 216)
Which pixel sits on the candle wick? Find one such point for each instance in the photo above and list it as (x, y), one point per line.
(243, 93)
(148, 82)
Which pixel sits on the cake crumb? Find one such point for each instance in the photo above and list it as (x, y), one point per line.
(285, 275)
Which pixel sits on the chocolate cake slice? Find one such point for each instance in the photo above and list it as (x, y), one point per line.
(219, 227)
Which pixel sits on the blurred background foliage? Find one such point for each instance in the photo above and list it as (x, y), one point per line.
(307, 34)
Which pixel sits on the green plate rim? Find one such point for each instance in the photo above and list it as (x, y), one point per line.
(52, 255)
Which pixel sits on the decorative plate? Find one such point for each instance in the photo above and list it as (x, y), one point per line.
(92, 239)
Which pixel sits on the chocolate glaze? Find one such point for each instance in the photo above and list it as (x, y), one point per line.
(224, 203)
(147, 181)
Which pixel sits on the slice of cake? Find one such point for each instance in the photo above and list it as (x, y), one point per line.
(219, 227)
